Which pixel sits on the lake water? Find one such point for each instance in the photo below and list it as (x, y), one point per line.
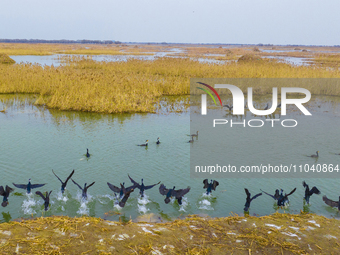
(35, 140)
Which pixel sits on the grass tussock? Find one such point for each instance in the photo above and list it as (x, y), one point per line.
(273, 234)
(136, 85)
(5, 59)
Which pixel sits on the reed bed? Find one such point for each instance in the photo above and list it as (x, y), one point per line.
(84, 49)
(273, 234)
(136, 85)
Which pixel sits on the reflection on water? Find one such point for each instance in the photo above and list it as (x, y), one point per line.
(35, 140)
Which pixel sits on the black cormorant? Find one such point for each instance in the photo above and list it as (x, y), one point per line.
(309, 192)
(281, 199)
(142, 187)
(315, 155)
(158, 142)
(87, 153)
(120, 191)
(46, 199)
(126, 195)
(5, 193)
(84, 190)
(248, 200)
(178, 194)
(63, 184)
(144, 144)
(210, 186)
(28, 186)
(331, 202)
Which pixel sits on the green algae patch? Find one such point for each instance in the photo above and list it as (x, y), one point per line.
(273, 234)
(5, 59)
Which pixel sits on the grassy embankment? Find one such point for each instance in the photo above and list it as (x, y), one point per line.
(274, 234)
(135, 85)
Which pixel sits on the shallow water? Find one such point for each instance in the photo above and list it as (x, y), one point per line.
(36, 140)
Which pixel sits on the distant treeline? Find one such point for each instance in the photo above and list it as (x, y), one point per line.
(58, 41)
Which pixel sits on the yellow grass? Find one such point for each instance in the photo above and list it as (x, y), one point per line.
(136, 85)
(273, 234)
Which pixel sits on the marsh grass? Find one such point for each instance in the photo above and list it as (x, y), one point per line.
(136, 85)
(272, 234)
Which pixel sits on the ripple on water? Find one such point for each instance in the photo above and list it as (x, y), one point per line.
(83, 208)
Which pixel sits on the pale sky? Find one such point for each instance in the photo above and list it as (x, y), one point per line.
(308, 22)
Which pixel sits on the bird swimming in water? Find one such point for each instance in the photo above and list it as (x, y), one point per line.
(281, 199)
(315, 155)
(84, 190)
(126, 195)
(210, 186)
(309, 192)
(195, 134)
(158, 142)
(229, 107)
(5, 193)
(63, 184)
(178, 194)
(192, 140)
(144, 144)
(267, 106)
(331, 202)
(28, 186)
(87, 153)
(142, 187)
(279, 105)
(46, 199)
(120, 191)
(248, 200)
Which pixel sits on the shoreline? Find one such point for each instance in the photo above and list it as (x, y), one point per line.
(272, 234)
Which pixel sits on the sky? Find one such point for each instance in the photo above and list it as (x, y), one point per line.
(301, 22)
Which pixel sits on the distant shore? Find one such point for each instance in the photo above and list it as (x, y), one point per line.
(273, 234)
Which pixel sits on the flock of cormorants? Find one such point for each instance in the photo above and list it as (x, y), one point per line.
(123, 192)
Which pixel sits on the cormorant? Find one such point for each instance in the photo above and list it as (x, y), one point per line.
(63, 184)
(229, 107)
(144, 144)
(142, 187)
(84, 190)
(126, 195)
(309, 192)
(331, 202)
(28, 186)
(315, 155)
(87, 153)
(178, 194)
(5, 193)
(195, 134)
(210, 186)
(267, 106)
(120, 191)
(248, 200)
(281, 199)
(46, 199)
(158, 142)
